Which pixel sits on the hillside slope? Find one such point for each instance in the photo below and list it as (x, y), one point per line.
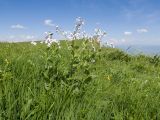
(77, 82)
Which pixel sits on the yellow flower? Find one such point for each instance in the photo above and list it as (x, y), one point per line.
(109, 78)
(6, 61)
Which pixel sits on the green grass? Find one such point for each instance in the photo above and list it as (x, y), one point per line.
(40, 83)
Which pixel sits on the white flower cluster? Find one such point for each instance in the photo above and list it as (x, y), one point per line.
(110, 44)
(75, 35)
(61, 32)
(49, 40)
(33, 43)
(99, 34)
(78, 26)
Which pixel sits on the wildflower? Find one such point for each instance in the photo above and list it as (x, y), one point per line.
(94, 49)
(49, 44)
(78, 25)
(109, 78)
(47, 86)
(93, 61)
(49, 40)
(33, 43)
(70, 36)
(61, 32)
(99, 34)
(146, 81)
(84, 35)
(112, 45)
(7, 62)
(58, 43)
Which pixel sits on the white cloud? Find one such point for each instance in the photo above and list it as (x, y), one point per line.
(11, 37)
(29, 37)
(18, 26)
(19, 38)
(127, 33)
(49, 22)
(143, 30)
(123, 40)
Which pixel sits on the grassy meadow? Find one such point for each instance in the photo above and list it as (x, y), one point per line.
(77, 82)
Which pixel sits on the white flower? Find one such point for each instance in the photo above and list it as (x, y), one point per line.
(49, 44)
(58, 43)
(93, 61)
(33, 43)
(112, 45)
(49, 22)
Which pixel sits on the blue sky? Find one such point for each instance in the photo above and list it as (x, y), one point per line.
(126, 21)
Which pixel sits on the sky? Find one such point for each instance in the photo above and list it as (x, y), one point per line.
(127, 22)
